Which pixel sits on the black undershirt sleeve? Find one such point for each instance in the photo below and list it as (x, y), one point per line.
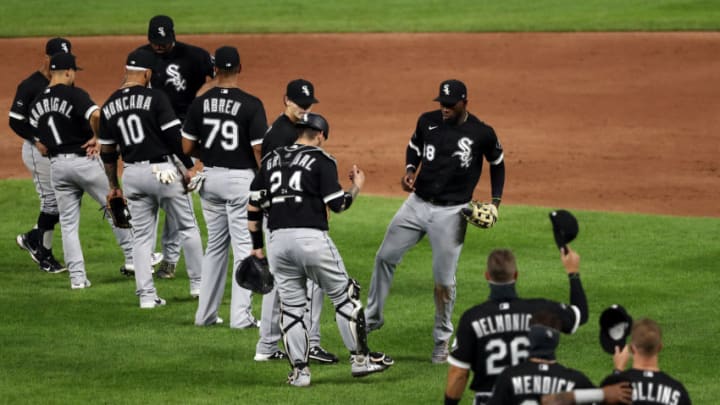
(578, 298)
(497, 181)
(23, 129)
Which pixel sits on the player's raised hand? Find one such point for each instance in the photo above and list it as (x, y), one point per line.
(357, 176)
(570, 259)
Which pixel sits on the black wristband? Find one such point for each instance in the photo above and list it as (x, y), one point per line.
(255, 215)
(574, 276)
(451, 401)
(257, 239)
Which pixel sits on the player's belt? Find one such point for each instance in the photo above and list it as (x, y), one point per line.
(442, 203)
(161, 159)
(67, 155)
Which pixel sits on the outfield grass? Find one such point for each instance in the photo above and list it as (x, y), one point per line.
(98, 17)
(96, 345)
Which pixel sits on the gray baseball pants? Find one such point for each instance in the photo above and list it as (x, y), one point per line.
(71, 176)
(445, 229)
(225, 193)
(145, 194)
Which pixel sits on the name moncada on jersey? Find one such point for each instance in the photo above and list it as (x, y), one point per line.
(142, 102)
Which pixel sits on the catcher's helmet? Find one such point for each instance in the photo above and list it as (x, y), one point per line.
(254, 274)
(316, 122)
(615, 326)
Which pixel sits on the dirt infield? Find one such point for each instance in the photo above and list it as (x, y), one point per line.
(611, 121)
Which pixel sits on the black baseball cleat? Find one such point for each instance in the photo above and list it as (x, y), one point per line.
(26, 243)
(321, 355)
(50, 264)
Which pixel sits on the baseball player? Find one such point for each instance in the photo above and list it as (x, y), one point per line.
(448, 148)
(66, 119)
(650, 384)
(179, 71)
(541, 374)
(140, 122)
(296, 185)
(299, 99)
(38, 241)
(227, 125)
(494, 335)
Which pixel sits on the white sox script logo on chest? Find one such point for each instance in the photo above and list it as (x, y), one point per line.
(465, 152)
(175, 78)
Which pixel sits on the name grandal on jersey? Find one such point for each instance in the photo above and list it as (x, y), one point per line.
(124, 103)
(301, 159)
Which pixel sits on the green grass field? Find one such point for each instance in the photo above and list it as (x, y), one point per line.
(97, 346)
(98, 17)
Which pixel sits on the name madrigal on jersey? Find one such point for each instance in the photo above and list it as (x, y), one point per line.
(221, 105)
(48, 105)
(501, 323)
(125, 103)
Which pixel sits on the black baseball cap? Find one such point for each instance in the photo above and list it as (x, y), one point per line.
(63, 61)
(316, 122)
(57, 45)
(161, 30)
(451, 92)
(615, 327)
(301, 92)
(140, 59)
(227, 57)
(565, 227)
(543, 341)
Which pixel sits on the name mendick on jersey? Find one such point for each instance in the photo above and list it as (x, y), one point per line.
(221, 105)
(540, 384)
(125, 103)
(500, 323)
(48, 105)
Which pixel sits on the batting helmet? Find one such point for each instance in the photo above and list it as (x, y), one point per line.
(316, 122)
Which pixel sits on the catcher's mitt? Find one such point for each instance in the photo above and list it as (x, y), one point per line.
(480, 214)
(254, 274)
(118, 210)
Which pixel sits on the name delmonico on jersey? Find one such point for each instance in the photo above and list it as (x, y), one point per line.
(125, 103)
(501, 323)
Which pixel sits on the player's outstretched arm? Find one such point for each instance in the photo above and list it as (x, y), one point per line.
(571, 261)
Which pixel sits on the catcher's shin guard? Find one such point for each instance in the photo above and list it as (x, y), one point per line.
(350, 318)
(294, 333)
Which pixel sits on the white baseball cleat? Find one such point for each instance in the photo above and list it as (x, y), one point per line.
(299, 377)
(80, 286)
(157, 302)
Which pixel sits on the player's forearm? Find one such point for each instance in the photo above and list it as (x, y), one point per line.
(497, 182)
(23, 129)
(109, 156)
(577, 296)
(456, 383)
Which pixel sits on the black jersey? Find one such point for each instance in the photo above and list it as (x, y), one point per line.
(451, 156)
(180, 73)
(529, 381)
(298, 181)
(494, 335)
(226, 123)
(26, 92)
(651, 387)
(281, 133)
(61, 116)
(141, 121)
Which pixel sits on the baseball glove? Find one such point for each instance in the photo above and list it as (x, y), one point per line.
(254, 274)
(480, 214)
(118, 210)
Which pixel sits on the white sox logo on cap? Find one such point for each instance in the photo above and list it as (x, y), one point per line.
(161, 31)
(305, 90)
(446, 89)
(64, 47)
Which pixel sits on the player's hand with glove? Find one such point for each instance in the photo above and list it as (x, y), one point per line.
(117, 209)
(164, 176)
(194, 181)
(480, 214)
